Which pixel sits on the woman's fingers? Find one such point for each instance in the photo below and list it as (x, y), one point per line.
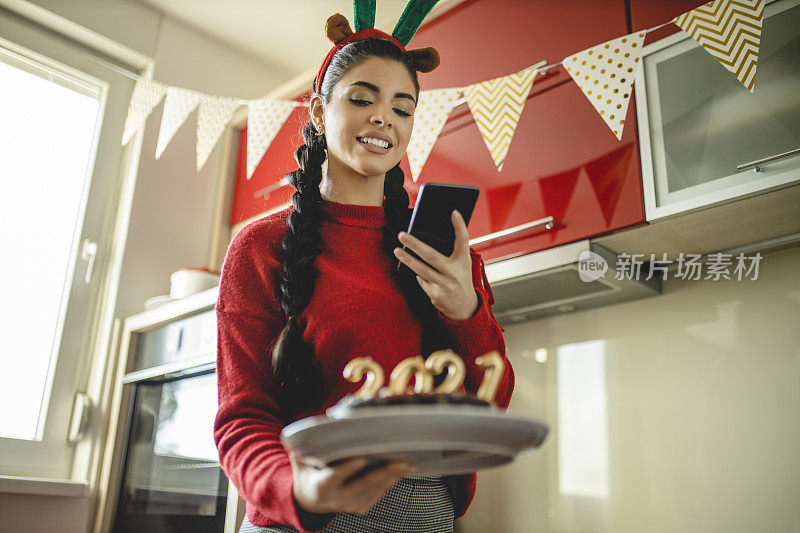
(368, 499)
(462, 234)
(342, 472)
(425, 251)
(367, 490)
(344, 487)
(430, 255)
(420, 268)
(310, 461)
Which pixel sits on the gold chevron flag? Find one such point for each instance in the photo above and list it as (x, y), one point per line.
(214, 114)
(264, 120)
(177, 106)
(496, 106)
(147, 94)
(430, 115)
(605, 75)
(729, 30)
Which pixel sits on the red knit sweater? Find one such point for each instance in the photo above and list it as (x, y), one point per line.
(357, 310)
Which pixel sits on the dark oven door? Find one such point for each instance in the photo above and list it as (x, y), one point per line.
(172, 480)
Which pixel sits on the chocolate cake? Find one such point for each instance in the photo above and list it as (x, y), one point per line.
(350, 402)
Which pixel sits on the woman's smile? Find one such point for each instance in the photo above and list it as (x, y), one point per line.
(375, 142)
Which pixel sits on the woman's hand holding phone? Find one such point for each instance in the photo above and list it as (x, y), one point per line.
(345, 487)
(448, 280)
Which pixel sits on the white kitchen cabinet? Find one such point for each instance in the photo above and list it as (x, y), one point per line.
(698, 123)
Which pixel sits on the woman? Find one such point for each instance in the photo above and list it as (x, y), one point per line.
(305, 290)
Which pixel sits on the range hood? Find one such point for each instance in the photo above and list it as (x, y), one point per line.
(563, 279)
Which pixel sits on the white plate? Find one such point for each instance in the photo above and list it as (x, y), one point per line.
(440, 439)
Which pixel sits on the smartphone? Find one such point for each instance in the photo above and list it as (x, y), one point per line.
(430, 221)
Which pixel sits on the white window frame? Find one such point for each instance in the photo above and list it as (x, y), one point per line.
(96, 364)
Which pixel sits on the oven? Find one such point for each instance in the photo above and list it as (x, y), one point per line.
(172, 480)
(168, 477)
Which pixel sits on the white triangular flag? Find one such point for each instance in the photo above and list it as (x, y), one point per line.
(430, 116)
(146, 96)
(177, 106)
(264, 120)
(605, 75)
(496, 106)
(214, 114)
(731, 32)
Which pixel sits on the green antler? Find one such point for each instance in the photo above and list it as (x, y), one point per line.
(411, 19)
(364, 11)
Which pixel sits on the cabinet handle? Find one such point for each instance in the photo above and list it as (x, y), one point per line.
(547, 222)
(757, 164)
(266, 191)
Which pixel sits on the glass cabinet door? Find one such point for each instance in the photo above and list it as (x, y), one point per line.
(698, 123)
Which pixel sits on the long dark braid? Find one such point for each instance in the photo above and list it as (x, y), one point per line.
(293, 360)
(294, 363)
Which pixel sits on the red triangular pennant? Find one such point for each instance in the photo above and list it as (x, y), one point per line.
(501, 200)
(606, 175)
(556, 193)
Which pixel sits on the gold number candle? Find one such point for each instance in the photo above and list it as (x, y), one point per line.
(493, 368)
(360, 367)
(456, 371)
(403, 372)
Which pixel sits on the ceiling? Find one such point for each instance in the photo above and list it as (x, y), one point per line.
(287, 34)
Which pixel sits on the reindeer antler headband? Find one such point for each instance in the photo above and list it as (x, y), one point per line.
(338, 31)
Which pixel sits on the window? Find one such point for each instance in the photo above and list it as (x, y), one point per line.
(47, 137)
(62, 114)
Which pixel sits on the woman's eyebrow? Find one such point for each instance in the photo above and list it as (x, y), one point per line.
(375, 88)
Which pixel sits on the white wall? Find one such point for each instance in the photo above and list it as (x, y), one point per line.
(26, 513)
(171, 222)
(690, 421)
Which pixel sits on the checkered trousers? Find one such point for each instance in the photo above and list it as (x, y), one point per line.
(416, 504)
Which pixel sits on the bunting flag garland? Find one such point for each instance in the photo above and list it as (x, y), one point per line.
(146, 96)
(263, 122)
(177, 106)
(605, 75)
(430, 116)
(214, 114)
(496, 106)
(729, 30)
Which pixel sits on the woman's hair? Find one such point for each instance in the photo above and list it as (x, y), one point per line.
(294, 363)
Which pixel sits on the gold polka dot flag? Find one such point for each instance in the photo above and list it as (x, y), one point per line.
(214, 114)
(605, 74)
(430, 116)
(496, 106)
(177, 106)
(147, 94)
(730, 31)
(264, 120)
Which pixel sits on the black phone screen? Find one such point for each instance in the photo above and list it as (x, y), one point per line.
(430, 221)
